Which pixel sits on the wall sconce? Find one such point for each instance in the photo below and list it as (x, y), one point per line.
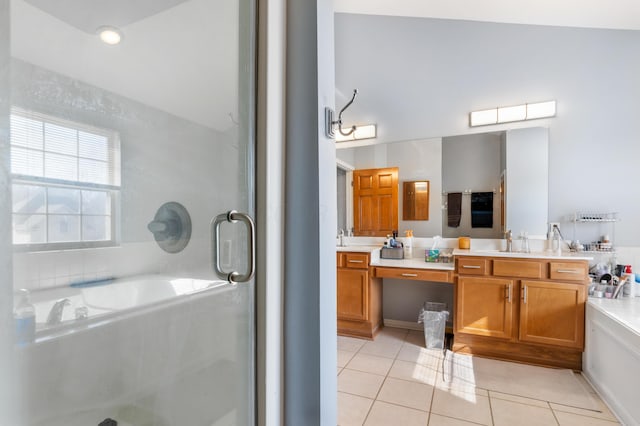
(368, 131)
(512, 113)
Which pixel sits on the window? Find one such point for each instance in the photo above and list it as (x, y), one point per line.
(66, 182)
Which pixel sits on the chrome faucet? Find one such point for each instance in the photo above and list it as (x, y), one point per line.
(509, 237)
(341, 238)
(55, 314)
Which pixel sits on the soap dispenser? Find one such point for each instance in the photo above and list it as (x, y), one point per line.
(24, 319)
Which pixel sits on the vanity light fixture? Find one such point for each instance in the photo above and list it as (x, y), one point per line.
(368, 131)
(512, 113)
(110, 35)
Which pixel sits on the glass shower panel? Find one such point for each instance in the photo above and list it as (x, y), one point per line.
(115, 159)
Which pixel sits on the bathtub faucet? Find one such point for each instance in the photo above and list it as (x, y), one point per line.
(55, 314)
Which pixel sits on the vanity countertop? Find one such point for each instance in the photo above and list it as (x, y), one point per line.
(533, 255)
(357, 248)
(419, 263)
(413, 263)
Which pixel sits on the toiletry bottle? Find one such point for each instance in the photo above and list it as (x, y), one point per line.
(408, 244)
(24, 319)
(630, 282)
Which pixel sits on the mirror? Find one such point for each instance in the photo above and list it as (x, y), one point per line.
(415, 196)
(511, 164)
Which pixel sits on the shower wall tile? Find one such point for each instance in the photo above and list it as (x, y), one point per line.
(153, 144)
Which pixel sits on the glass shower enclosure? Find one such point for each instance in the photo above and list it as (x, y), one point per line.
(127, 190)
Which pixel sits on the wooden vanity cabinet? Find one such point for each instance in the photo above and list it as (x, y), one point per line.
(485, 307)
(359, 296)
(527, 310)
(552, 313)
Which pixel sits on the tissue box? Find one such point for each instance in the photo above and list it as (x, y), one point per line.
(431, 255)
(391, 253)
(444, 255)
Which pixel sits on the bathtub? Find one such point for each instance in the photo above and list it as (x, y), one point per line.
(611, 360)
(153, 350)
(108, 299)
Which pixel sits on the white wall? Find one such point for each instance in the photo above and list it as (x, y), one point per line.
(310, 346)
(421, 77)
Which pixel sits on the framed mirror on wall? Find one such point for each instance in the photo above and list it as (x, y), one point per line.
(415, 200)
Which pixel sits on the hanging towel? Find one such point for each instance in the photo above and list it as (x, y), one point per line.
(482, 209)
(454, 209)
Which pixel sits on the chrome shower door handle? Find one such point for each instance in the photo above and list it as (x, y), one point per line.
(233, 217)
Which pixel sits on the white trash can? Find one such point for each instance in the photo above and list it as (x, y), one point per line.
(434, 317)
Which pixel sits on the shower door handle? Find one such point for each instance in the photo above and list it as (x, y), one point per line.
(233, 217)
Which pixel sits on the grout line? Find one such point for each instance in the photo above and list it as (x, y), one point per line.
(459, 419)
(394, 359)
(493, 392)
(493, 422)
(553, 413)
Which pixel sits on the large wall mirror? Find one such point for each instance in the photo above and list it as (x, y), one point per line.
(511, 165)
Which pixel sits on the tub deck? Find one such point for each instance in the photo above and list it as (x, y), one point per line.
(106, 300)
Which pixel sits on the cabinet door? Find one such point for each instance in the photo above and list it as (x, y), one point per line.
(552, 313)
(353, 294)
(485, 306)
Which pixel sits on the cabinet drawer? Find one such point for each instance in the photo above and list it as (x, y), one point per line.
(356, 260)
(472, 266)
(518, 268)
(568, 271)
(414, 274)
(340, 260)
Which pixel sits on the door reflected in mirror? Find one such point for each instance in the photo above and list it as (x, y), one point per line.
(415, 200)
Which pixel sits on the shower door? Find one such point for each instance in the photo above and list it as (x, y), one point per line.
(126, 135)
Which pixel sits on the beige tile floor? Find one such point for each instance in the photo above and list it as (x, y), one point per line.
(395, 381)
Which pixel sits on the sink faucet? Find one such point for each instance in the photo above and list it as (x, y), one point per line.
(55, 314)
(509, 236)
(341, 237)
(557, 239)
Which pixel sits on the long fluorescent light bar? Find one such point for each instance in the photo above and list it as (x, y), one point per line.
(512, 113)
(368, 131)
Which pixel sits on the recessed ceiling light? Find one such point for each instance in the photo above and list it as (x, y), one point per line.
(110, 35)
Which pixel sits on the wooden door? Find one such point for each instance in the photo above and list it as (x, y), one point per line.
(552, 313)
(485, 306)
(375, 201)
(353, 294)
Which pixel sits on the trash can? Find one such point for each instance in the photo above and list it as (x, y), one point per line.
(434, 317)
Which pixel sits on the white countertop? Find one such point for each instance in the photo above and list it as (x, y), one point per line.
(533, 255)
(419, 263)
(357, 248)
(626, 310)
(413, 263)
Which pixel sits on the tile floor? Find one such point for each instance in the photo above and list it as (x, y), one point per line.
(395, 381)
